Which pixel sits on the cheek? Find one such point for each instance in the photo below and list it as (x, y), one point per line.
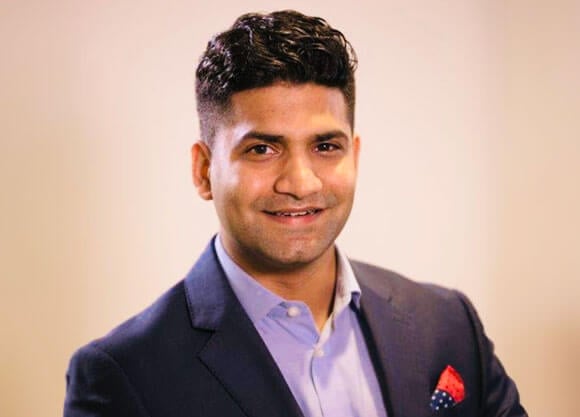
(255, 182)
(342, 178)
(240, 186)
(224, 175)
(223, 187)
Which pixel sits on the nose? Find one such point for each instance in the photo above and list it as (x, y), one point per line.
(297, 178)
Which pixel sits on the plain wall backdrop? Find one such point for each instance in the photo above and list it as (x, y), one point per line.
(469, 172)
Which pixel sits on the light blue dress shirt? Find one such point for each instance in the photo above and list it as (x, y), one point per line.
(330, 372)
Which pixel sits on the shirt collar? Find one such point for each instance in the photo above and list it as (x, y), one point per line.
(255, 298)
(258, 301)
(347, 288)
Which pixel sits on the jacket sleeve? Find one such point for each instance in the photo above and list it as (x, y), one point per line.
(499, 396)
(98, 387)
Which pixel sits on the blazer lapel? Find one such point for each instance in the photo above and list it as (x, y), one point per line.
(235, 353)
(392, 340)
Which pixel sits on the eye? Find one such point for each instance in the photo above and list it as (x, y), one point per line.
(326, 147)
(261, 150)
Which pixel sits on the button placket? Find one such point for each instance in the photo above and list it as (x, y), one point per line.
(318, 351)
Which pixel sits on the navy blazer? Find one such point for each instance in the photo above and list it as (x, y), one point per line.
(195, 353)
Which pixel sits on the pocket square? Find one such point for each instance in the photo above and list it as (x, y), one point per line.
(450, 390)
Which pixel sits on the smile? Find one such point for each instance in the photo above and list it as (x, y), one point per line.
(294, 213)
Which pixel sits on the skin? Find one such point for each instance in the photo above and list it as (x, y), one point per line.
(282, 175)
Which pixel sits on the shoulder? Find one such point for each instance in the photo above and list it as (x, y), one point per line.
(391, 284)
(119, 366)
(434, 306)
(145, 335)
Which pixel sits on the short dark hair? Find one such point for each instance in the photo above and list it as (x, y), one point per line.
(262, 49)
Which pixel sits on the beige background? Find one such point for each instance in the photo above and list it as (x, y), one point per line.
(469, 112)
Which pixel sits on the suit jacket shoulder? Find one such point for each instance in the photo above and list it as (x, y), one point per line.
(418, 329)
(140, 361)
(194, 351)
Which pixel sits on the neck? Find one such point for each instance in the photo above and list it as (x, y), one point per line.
(313, 287)
(312, 283)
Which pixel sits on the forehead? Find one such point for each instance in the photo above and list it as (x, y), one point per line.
(284, 105)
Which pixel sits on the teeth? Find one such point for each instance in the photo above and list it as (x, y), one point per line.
(296, 214)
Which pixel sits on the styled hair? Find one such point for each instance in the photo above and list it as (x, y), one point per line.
(262, 49)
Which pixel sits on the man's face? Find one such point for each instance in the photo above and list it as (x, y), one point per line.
(282, 173)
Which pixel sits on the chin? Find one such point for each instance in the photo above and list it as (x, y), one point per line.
(296, 257)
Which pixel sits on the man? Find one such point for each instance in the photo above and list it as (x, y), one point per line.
(273, 320)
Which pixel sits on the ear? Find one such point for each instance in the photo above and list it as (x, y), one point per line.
(356, 149)
(200, 162)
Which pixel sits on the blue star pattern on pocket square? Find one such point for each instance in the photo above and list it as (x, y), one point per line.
(450, 390)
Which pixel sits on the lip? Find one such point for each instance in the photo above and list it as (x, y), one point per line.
(294, 216)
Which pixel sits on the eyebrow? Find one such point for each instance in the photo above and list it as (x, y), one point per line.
(266, 137)
(330, 135)
(272, 138)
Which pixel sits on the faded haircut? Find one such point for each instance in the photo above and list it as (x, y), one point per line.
(262, 49)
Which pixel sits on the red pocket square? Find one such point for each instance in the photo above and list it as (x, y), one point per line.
(450, 390)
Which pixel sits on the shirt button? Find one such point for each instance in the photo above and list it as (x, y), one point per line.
(293, 311)
(318, 352)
